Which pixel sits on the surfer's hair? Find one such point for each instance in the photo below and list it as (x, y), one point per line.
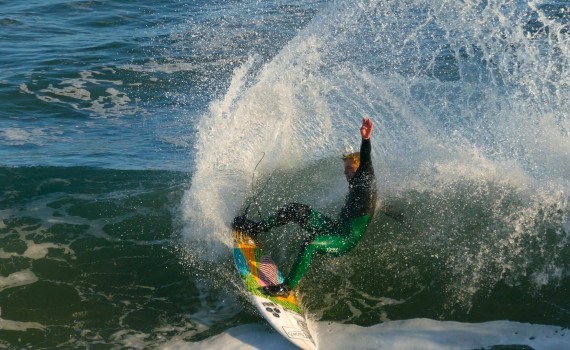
(354, 157)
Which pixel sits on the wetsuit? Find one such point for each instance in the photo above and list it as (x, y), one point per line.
(325, 235)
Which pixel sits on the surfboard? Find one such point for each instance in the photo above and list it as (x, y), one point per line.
(257, 269)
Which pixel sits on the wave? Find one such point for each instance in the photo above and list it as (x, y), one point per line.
(471, 144)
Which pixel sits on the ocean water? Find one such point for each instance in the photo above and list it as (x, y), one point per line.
(132, 132)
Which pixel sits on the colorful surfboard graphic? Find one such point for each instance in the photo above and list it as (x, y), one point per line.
(258, 270)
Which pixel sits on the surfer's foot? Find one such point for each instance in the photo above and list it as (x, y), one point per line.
(249, 226)
(278, 290)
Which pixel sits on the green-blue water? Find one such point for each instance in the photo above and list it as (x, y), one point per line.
(129, 134)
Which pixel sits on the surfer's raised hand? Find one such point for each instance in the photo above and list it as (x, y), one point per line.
(366, 128)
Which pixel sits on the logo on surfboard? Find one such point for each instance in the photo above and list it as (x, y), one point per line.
(296, 333)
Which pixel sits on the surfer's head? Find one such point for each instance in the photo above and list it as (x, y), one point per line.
(351, 163)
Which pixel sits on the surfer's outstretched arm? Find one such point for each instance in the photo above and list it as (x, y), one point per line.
(366, 147)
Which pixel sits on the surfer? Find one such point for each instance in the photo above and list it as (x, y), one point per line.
(328, 236)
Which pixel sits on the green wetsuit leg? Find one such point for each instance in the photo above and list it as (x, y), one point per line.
(335, 245)
(326, 236)
(339, 240)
